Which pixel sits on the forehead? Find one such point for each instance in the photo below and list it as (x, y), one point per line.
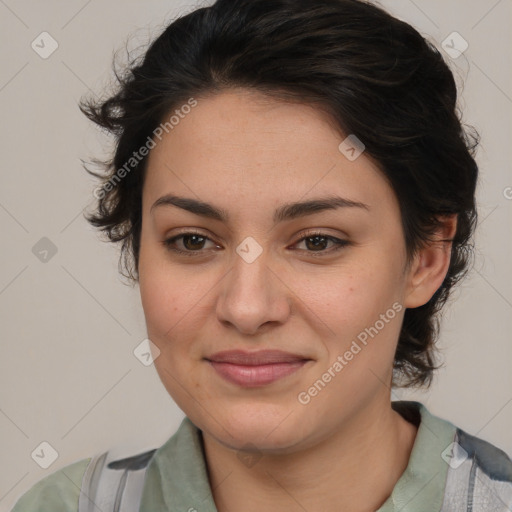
(243, 146)
(247, 121)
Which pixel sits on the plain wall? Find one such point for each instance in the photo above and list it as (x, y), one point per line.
(69, 325)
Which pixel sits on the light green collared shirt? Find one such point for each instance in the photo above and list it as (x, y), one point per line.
(176, 478)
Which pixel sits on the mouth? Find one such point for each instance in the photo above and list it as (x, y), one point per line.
(255, 369)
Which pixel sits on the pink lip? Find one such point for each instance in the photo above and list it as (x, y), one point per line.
(253, 369)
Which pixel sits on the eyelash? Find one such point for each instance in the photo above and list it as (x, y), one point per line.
(339, 244)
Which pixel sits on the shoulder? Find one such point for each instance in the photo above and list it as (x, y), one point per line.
(479, 474)
(471, 473)
(103, 476)
(490, 459)
(58, 492)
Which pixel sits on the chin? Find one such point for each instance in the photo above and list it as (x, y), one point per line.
(263, 427)
(254, 439)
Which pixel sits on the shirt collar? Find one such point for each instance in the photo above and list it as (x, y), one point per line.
(177, 477)
(423, 482)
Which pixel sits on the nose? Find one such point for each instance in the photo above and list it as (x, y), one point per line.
(253, 296)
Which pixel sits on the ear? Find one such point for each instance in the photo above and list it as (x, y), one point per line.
(430, 265)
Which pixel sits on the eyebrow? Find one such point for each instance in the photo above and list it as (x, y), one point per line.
(285, 212)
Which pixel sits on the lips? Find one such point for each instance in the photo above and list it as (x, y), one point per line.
(254, 369)
(255, 358)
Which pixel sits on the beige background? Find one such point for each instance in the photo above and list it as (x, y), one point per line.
(69, 326)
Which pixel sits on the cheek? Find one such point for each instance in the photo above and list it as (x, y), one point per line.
(171, 314)
(363, 313)
(159, 291)
(352, 295)
(167, 292)
(360, 304)
(166, 303)
(176, 300)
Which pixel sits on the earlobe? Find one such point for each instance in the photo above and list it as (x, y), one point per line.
(430, 264)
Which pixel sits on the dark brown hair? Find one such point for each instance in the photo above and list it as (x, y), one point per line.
(375, 75)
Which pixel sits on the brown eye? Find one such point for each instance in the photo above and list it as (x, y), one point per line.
(319, 243)
(189, 244)
(193, 242)
(316, 242)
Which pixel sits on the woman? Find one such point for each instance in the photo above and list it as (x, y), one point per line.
(295, 195)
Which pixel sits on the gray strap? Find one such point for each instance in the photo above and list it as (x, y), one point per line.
(113, 485)
(90, 482)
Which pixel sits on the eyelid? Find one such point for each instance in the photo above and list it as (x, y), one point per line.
(305, 233)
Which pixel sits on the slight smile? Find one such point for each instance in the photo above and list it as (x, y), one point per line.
(255, 369)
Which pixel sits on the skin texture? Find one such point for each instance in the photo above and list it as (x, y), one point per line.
(248, 154)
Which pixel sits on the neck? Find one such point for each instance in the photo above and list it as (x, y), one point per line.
(354, 469)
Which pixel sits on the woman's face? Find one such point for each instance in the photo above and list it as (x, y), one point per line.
(263, 275)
